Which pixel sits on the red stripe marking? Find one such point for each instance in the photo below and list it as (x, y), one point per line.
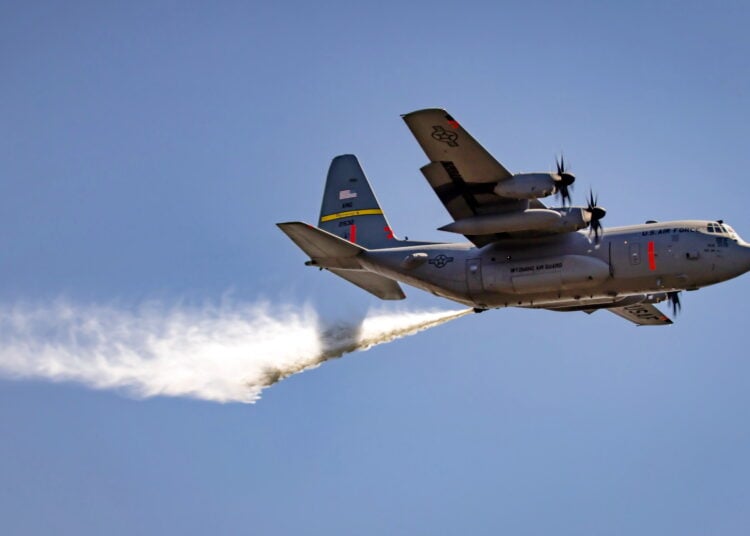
(353, 234)
(453, 123)
(651, 256)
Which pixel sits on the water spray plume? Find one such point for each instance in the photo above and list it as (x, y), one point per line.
(226, 354)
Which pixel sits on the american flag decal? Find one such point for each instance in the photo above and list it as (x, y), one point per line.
(347, 194)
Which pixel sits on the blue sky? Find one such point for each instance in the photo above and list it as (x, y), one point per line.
(148, 149)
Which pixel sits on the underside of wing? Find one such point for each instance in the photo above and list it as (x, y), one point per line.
(443, 139)
(461, 171)
(487, 202)
(642, 314)
(638, 309)
(463, 195)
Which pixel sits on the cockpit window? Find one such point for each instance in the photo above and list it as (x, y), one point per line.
(711, 228)
(730, 232)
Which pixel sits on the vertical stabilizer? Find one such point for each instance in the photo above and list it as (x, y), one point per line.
(350, 209)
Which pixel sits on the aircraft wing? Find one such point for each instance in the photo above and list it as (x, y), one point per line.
(642, 314)
(461, 171)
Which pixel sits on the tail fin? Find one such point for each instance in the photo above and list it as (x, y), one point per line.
(350, 209)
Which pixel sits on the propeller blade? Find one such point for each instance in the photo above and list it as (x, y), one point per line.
(674, 300)
(596, 228)
(564, 192)
(597, 213)
(565, 182)
(592, 200)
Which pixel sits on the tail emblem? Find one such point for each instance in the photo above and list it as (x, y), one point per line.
(445, 136)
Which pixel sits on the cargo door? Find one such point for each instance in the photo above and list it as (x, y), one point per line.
(474, 277)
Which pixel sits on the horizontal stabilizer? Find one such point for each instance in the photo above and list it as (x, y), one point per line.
(327, 250)
(340, 257)
(382, 287)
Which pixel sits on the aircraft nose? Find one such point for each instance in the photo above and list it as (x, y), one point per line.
(744, 257)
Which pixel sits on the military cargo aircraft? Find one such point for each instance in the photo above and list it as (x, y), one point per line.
(519, 253)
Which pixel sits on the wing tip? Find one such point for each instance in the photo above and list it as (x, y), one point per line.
(422, 111)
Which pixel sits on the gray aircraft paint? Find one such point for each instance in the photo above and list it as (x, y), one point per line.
(626, 271)
(350, 209)
(571, 269)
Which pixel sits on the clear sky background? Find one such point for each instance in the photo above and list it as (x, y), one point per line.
(147, 149)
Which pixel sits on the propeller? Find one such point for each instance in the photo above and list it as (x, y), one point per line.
(674, 300)
(564, 185)
(596, 213)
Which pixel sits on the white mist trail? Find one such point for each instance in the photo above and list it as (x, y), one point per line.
(223, 354)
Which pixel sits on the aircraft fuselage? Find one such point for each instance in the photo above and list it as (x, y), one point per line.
(571, 271)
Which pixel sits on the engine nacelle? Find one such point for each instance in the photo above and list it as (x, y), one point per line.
(571, 219)
(527, 186)
(550, 220)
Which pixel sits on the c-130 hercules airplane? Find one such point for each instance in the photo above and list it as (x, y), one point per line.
(521, 253)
